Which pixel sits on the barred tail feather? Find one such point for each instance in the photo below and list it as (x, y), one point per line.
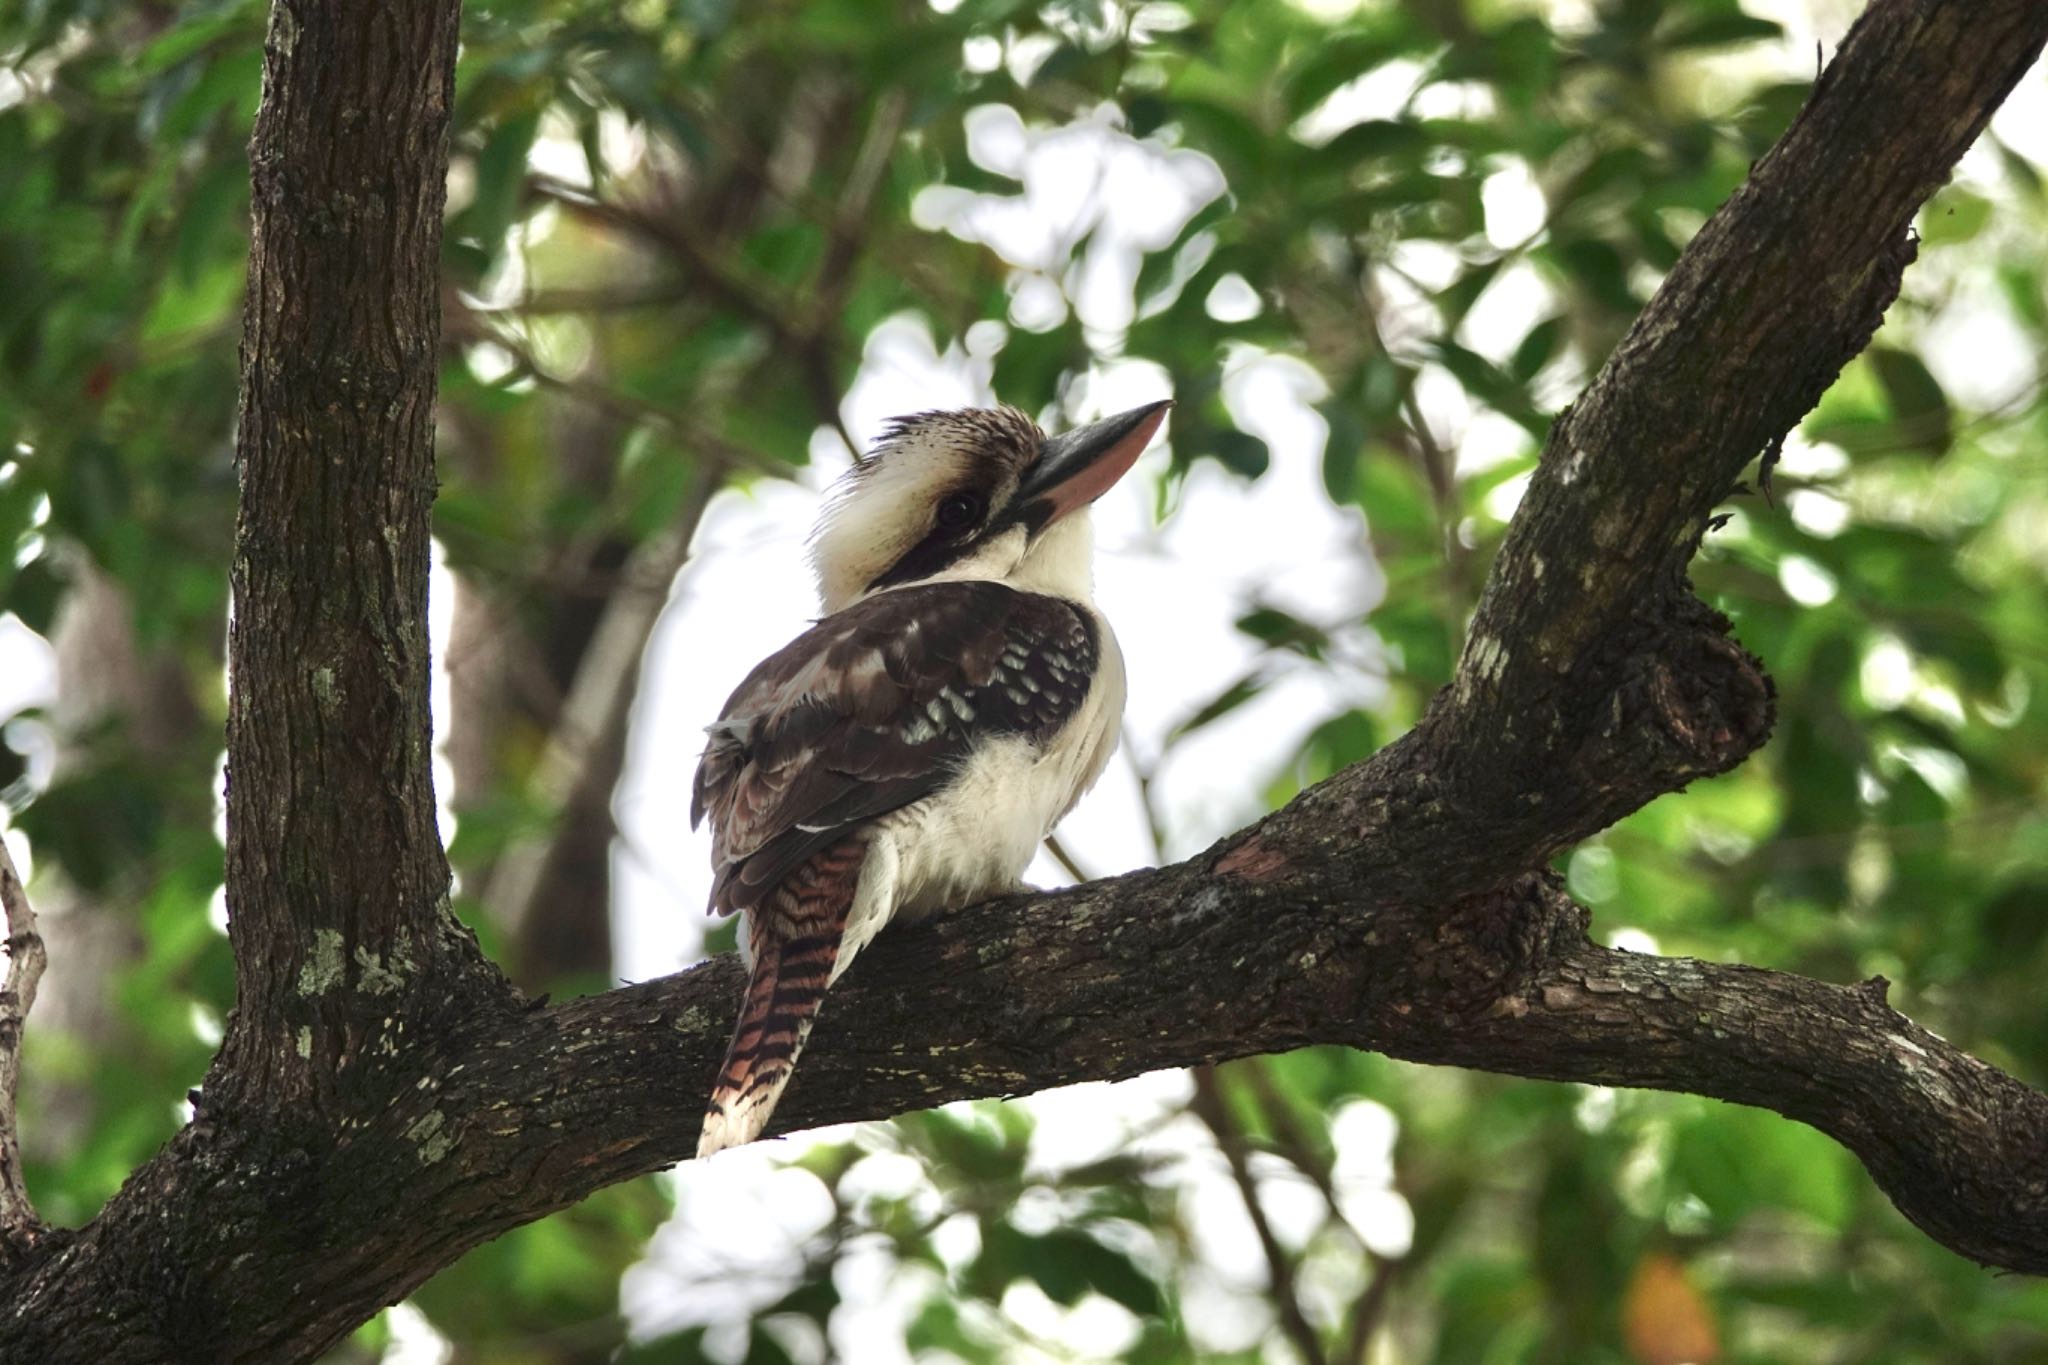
(796, 944)
(782, 999)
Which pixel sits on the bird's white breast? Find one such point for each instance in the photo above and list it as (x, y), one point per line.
(973, 839)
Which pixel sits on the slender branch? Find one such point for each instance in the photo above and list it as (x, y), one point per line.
(1146, 775)
(587, 748)
(1389, 908)
(856, 200)
(1368, 1311)
(1781, 288)
(1438, 466)
(804, 334)
(1211, 1108)
(26, 959)
(336, 880)
(597, 299)
(1065, 859)
(1306, 1156)
(698, 435)
(1184, 965)
(744, 290)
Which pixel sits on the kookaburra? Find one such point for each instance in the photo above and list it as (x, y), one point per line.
(908, 752)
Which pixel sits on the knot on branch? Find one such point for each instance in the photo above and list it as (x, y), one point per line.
(1487, 947)
(1689, 702)
(1665, 699)
(1711, 702)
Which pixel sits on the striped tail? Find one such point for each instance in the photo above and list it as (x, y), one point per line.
(796, 936)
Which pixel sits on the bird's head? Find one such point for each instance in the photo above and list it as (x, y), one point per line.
(973, 493)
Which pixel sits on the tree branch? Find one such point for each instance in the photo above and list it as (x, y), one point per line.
(737, 286)
(336, 879)
(1213, 1110)
(587, 749)
(19, 1226)
(1305, 1156)
(1393, 907)
(1783, 286)
(1182, 966)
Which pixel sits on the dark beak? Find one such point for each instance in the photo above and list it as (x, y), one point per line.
(1077, 467)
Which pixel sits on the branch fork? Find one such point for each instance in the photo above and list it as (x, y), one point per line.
(1390, 908)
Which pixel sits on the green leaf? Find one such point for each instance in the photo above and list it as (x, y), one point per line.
(194, 33)
(1600, 269)
(1343, 58)
(1278, 630)
(1738, 1160)
(1395, 497)
(1222, 704)
(1921, 410)
(1695, 30)
(1066, 1263)
(1538, 347)
(1240, 452)
(1954, 216)
(1371, 141)
(1456, 299)
(500, 180)
(196, 305)
(1342, 740)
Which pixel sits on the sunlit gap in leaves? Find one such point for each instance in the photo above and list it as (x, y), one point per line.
(861, 1198)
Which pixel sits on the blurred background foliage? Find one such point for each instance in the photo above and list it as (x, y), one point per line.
(673, 227)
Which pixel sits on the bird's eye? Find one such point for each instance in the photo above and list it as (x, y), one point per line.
(959, 510)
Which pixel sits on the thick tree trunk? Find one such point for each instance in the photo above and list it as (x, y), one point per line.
(384, 1102)
(336, 880)
(348, 959)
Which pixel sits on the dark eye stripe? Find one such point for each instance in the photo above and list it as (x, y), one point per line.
(950, 537)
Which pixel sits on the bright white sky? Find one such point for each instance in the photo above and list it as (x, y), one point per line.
(1172, 593)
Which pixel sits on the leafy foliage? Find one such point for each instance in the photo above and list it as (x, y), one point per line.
(674, 227)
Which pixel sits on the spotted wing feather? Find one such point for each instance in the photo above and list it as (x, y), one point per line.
(873, 708)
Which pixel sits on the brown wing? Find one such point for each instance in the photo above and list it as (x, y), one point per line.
(873, 708)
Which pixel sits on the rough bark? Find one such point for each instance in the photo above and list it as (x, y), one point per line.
(384, 1102)
(20, 1228)
(337, 884)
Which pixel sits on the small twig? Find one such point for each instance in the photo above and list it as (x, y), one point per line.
(1437, 464)
(1306, 1156)
(850, 215)
(1065, 859)
(1148, 802)
(1209, 1106)
(722, 455)
(1767, 465)
(602, 299)
(579, 765)
(19, 1226)
(847, 239)
(1294, 1142)
(1366, 1315)
(738, 286)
